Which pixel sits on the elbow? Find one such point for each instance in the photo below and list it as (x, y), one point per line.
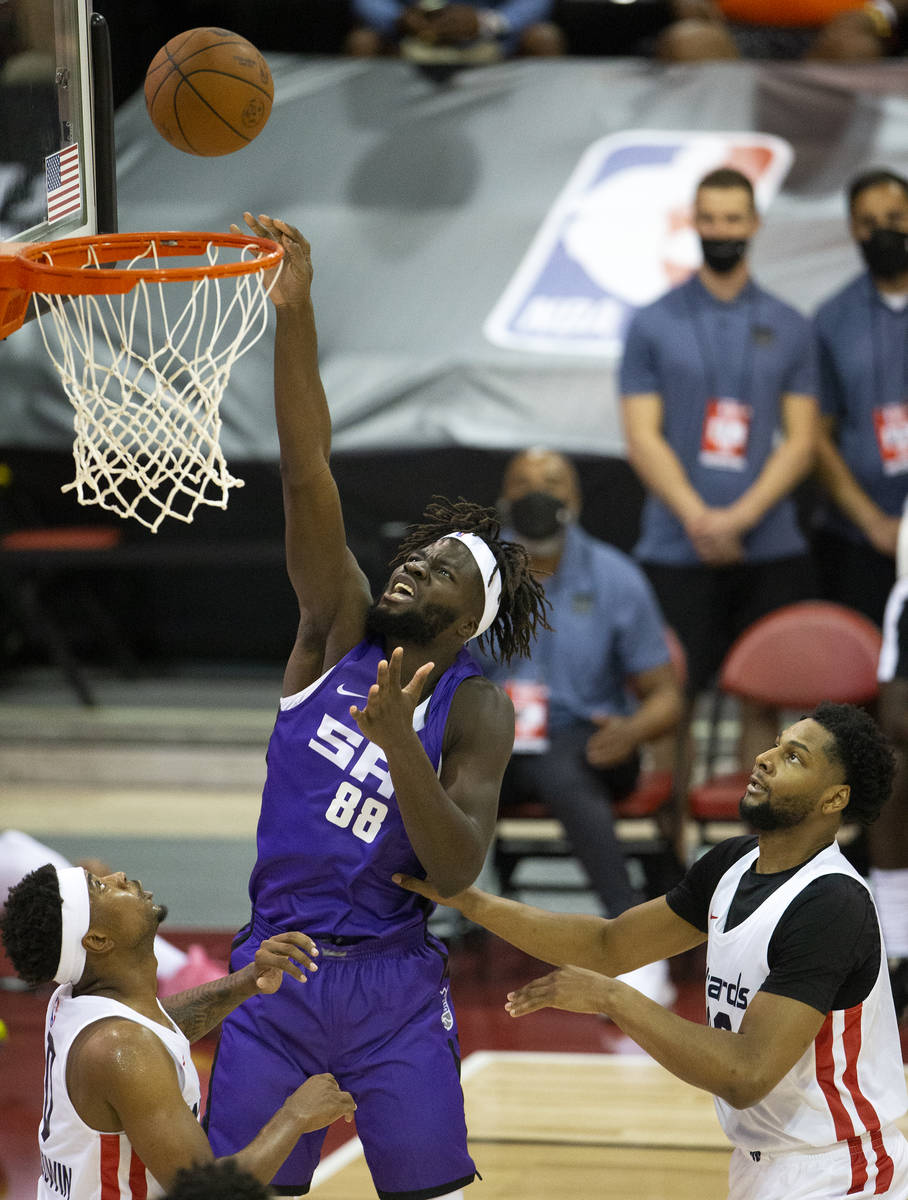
(635, 450)
(452, 882)
(805, 452)
(743, 1089)
(674, 707)
(455, 877)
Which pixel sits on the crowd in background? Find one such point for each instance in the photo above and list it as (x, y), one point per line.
(432, 32)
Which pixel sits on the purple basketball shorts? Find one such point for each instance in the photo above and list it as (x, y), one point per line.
(378, 1016)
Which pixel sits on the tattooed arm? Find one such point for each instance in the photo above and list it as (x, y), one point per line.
(198, 1010)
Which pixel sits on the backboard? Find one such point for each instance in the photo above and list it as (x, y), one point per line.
(57, 170)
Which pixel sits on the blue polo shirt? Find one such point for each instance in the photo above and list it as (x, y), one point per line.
(863, 349)
(695, 351)
(606, 625)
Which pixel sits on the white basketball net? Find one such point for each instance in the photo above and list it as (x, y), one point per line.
(145, 372)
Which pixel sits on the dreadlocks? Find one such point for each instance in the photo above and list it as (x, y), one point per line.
(523, 603)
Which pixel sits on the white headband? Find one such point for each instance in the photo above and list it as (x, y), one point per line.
(491, 577)
(76, 918)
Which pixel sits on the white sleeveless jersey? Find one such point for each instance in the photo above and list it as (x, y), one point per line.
(78, 1162)
(850, 1081)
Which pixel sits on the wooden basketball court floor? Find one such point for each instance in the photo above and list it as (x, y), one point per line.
(585, 1126)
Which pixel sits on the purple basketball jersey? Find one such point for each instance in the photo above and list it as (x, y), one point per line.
(330, 834)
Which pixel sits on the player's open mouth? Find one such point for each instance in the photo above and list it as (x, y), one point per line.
(400, 590)
(755, 784)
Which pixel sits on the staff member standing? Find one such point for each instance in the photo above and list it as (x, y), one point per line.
(719, 383)
(862, 455)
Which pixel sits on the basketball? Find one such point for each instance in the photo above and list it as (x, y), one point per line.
(208, 92)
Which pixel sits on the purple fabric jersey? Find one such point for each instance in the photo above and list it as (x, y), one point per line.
(377, 1013)
(330, 834)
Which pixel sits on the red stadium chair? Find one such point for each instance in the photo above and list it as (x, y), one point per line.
(791, 659)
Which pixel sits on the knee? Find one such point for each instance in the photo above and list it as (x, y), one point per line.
(543, 40)
(695, 40)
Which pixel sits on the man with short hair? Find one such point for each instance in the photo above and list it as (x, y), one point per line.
(862, 453)
(121, 1093)
(720, 415)
(217, 1181)
(598, 686)
(801, 1046)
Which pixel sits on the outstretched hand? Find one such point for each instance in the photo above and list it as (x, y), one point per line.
(573, 989)
(389, 706)
(283, 954)
(294, 283)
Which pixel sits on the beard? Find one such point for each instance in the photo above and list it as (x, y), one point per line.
(760, 814)
(417, 628)
(160, 912)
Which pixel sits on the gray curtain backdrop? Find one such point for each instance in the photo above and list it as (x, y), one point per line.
(422, 200)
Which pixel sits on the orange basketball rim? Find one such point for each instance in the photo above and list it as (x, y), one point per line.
(69, 267)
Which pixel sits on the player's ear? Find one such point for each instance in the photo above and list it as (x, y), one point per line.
(467, 628)
(97, 941)
(836, 799)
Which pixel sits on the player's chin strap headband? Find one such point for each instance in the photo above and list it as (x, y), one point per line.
(76, 917)
(491, 577)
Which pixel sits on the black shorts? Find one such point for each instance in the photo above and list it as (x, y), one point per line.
(708, 607)
(853, 573)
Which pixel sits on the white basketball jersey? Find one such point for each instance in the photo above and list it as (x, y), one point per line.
(891, 651)
(78, 1162)
(850, 1081)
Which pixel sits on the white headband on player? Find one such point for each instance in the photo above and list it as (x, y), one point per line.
(76, 917)
(491, 577)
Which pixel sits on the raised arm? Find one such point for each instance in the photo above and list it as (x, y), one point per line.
(589, 951)
(332, 592)
(449, 818)
(740, 1067)
(640, 935)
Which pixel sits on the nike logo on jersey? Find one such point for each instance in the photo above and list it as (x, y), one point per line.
(342, 691)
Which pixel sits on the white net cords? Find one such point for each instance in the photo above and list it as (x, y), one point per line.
(145, 372)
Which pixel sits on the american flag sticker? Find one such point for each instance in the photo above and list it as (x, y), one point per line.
(64, 183)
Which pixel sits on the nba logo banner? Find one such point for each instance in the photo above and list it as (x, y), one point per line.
(620, 235)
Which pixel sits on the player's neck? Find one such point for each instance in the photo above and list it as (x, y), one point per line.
(725, 285)
(441, 653)
(895, 286)
(136, 987)
(783, 849)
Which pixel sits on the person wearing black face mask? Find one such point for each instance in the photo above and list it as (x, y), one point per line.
(719, 402)
(596, 687)
(862, 460)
